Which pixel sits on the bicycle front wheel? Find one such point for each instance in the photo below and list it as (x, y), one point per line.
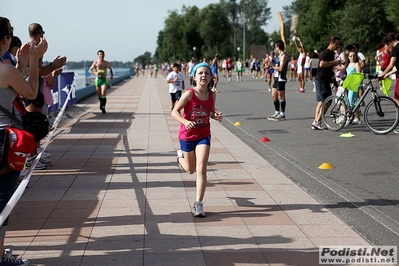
(333, 113)
(381, 116)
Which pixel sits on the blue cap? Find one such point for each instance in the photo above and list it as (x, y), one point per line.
(198, 66)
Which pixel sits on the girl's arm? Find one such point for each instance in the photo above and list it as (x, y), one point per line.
(358, 68)
(185, 98)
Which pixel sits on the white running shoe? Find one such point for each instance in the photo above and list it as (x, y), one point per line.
(8, 259)
(198, 209)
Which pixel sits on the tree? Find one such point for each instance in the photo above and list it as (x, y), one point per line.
(353, 20)
(212, 30)
(391, 8)
(255, 13)
(216, 31)
(144, 59)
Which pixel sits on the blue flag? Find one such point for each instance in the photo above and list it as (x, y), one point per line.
(64, 84)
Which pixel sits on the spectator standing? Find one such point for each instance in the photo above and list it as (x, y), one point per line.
(383, 58)
(300, 64)
(324, 78)
(293, 69)
(36, 33)
(392, 40)
(280, 79)
(314, 64)
(11, 84)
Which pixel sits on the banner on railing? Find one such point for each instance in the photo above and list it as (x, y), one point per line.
(60, 91)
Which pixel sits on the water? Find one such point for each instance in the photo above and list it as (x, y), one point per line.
(84, 79)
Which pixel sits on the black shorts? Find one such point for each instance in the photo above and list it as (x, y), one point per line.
(323, 90)
(314, 72)
(175, 96)
(279, 85)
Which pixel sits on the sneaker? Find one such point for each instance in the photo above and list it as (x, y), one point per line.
(340, 120)
(314, 89)
(45, 154)
(198, 209)
(39, 165)
(9, 260)
(273, 117)
(300, 91)
(103, 110)
(356, 122)
(269, 89)
(45, 161)
(396, 131)
(279, 117)
(318, 126)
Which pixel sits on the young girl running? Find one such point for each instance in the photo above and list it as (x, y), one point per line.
(198, 106)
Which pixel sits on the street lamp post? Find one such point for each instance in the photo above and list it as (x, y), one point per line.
(195, 55)
(271, 46)
(238, 52)
(243, 36)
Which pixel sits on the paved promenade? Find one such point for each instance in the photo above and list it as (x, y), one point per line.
(115, 196)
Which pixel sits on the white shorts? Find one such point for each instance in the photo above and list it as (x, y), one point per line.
(299, 70)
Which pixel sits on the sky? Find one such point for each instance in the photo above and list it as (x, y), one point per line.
(124, 29)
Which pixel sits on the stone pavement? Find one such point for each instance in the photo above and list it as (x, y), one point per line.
(115, 196)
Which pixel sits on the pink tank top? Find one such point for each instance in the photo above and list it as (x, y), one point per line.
(199, 112)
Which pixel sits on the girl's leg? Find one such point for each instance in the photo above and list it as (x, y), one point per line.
(188, 162)
(202, 156)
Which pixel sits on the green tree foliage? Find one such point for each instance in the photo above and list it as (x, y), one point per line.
(391, 8)
(256, 15)
(355, 21)
(216, 28)
(144, 59)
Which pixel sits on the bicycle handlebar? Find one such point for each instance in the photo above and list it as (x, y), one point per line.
(370, 76)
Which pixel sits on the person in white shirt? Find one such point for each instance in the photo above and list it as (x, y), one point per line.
(307, 67)
(300, 64)
(176, 84)
(239, 67)
(190, 66)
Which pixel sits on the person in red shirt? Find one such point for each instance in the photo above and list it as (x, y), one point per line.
(383, 58)
(229, 65)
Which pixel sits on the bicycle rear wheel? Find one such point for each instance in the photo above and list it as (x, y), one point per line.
(382, 116)
(333, 112)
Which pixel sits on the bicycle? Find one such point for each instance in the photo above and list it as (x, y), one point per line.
(381, 114)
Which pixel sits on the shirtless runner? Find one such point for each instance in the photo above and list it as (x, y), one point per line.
(99, 68)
